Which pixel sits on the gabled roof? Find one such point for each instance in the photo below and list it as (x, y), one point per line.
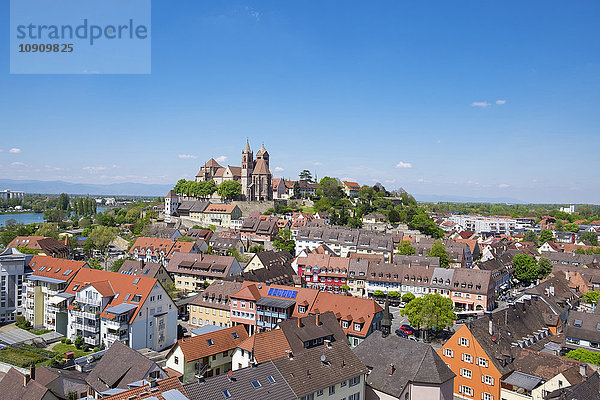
(164, 389)
(261, 168)
(144, 244)
(57, 268)
(297, 334)
(306, 373)
(140, 268)
(273, 385)
(267, 345)
(378, 353)
(118, 367)
(129, 287)
(13, 388)
(222, 340)
(220, 208)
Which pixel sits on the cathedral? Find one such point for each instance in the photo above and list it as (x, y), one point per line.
(254, 174)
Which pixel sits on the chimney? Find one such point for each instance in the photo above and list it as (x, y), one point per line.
(583, 370)
(328, 343)
(299, 322)
(317, 319)
(26, 379)
(32, 371)
(152, 382)
(490, 323)
(290, 354)
(391, 369)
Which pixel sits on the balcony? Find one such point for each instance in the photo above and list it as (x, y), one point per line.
(91, 328)
(83, 313)
(115, 324)
(272, 314)
(93, 302)
(117, 336)
(54, 309)
(92, 340)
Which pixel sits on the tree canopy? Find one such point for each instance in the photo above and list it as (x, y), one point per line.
(546, 236)
(590, 237)
(526, 269)
(102, 236)
(531, 236)
(284, 241)
(432, 311)
(439, 250)
(202, 189)
(592, 296)
(405, 248)
(229, 190)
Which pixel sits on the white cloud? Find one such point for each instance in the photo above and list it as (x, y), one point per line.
(187, 156)
(94, 169)
(14, 150)
(503, 185)
(221, 159)
(500, 102)
(18, 164)
(317, 163)
(278, 169)
(403, 164)
(252, 13)
(421, 180)
(482, 104)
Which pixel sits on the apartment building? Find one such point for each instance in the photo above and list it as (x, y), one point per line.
(12, 273)
(324, 272)
(45, 300)
(160, 251)
(259, 229)
(495, 225)
(149, 270)
(205, 355)
(213, 305)
(344, 241)
(109, 306)
(459, 253)
(482, 352)
(44, 246)
(190, 271)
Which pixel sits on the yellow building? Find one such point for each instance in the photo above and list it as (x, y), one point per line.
(211, 307)
(191, 270)
(221, 214)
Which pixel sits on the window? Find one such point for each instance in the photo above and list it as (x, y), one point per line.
(225, 353)
(251, 305)
(301, 309)
(357, 327)
(355, 396)
(463, 342)
(271, 379)
(488, 380)
(176, 360)
(466, 373)
(226, 393)
(355, 381)
(243, 304)
(486, 396)
(448, 352)
(345, 324)
(234, 335)
(343, 384)
(482, 362)
(465, 390)
(234, 302)
(467, 358)
(210, 342)
(255, 384)
(320, 392)
(331, 390)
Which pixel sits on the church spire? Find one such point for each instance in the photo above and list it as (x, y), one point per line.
(247, 149)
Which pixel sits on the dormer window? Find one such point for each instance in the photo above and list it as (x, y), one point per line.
(345, 324)
(357, 326)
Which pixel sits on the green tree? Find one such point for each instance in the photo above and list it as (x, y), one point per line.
(408, 297)
(259, 248)
(590, 237)
(591, 296)
(117, 264)
(230, 190)
(63, 202)
(544, 268)
(331, 188)
(546, 236)
(584, 355)
(78, 342)
(572, 227)
(405, 248)
(305, 176)
(432, 311)
(394, 216)
(439, 250)
(394, 294)
(559, 225)
(378, 293)
(526, 269)
(185, 238)
(47, 229)
(531, 236)
(323, 204)
(345, 288)
(284, 241)
(102, 236)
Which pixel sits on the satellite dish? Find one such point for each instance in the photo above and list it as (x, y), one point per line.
(323, 358)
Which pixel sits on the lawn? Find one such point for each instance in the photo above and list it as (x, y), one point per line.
(62, 348)
(19, 357)
(41, 331)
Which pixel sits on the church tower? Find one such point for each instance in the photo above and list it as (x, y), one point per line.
(247, 170)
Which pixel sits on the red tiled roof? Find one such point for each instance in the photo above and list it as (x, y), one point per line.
(144, 243)
(30, 242)
(106, 282)
(142, 392)
(220, 208)
(222, 340)
(55, 267)
(266, 346)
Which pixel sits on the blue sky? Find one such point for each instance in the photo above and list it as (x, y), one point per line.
(495, 99)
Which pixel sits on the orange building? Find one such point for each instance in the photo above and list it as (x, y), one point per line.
(481, 353)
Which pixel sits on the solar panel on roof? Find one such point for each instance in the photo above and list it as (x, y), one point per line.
(270, 292)
(136, 280)
(294, 294)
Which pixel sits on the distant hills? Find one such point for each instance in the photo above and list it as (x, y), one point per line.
(436, 198)
(114, 189)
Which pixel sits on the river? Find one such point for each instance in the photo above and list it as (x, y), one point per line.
(28, 218)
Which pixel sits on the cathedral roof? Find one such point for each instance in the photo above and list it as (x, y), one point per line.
(261, 168)
(247, 149)
(262, 151)
(212, 163)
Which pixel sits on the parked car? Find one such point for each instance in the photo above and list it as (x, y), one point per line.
(408, 329)
(401, 333)
(184, 317)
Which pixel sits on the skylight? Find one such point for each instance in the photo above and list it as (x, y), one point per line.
(255, 384)
(136, 280)
(578, 323)
(235, 335)
(67, 272)
(42, 268)
(271, 379)
(226, 393)
(210, 342)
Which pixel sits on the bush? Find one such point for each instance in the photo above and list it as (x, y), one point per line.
(96, 349)
(68, 341)
(20, 320)
(86, 347)
(63, 340)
